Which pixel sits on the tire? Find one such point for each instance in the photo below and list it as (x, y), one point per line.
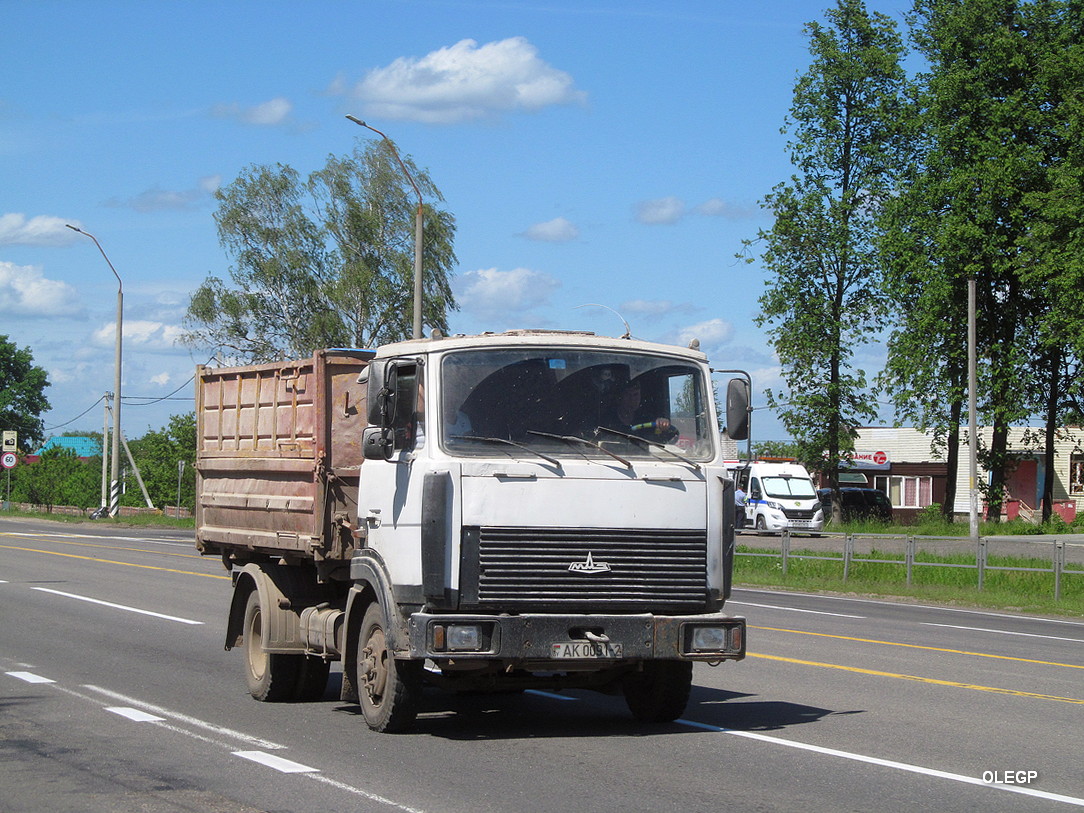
(389, 690)
(272, 677)
(761, 524)
(660, 692)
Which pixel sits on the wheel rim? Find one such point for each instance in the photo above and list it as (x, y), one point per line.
(257, 658)
(375, 666)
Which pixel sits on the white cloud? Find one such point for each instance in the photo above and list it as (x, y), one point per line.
(161, 379)
(41, 230)
(157, 199)
(489, 292)
(712, 333)
(768, 378)
(140, 334)
(717, 207)
(59, 375)
(558, 230)
(266, 114)
(661, 211)
(24, 291)
(464, 82)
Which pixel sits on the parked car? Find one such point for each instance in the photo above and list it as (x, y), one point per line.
(858, 503)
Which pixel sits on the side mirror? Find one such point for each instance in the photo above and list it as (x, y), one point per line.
(377, 443)
(383, 378)
(737, 409)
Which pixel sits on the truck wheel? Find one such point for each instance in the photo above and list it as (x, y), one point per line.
(761, 524)
(660, 692)
(389, 689)
(272, 677)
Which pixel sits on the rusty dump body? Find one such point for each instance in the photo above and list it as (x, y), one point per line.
(278, 460)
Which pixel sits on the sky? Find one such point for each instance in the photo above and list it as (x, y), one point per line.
(604, 162)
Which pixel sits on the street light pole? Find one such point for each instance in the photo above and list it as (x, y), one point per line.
(417, 229)
(114, 485)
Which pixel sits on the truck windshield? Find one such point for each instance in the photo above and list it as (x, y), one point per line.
(553, 399)
(788, 487)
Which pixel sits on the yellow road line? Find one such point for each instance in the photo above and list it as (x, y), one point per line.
(112, 562)
(106, 547)
(920, 646)
(918, 679)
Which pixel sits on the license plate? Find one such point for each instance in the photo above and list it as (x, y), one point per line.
(585, 650)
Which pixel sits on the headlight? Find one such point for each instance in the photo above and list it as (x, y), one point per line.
(457, 637)
(463, 637)
(712, 639)
(773, 505)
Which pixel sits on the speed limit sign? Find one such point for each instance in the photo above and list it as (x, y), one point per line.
(8, 460)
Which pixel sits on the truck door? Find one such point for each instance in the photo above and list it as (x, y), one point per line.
(390, 490)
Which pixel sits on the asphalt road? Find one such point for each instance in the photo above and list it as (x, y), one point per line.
(116, 695)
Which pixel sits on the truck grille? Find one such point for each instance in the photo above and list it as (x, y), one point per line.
(579, 569)
(799, 513)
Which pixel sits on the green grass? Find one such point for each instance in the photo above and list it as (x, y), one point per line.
(931, 524)
(1020, 591)
(138, 520)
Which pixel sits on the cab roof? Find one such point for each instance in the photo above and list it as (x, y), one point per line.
(537, 338)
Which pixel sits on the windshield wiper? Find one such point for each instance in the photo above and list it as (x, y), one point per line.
(646, 442)
(507, 442)
(582, 442)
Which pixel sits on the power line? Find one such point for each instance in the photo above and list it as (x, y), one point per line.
(77, 417)
(166, 397)
(133, 400)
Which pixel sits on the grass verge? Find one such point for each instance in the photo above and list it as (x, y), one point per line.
(950, 580)
(136, 520)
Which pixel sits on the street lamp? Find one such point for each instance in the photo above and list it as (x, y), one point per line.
(417, 229)
(114, 486)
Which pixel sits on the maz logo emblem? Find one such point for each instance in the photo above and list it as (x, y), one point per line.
(589, 566)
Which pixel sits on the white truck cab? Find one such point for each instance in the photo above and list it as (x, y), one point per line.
(779, 496)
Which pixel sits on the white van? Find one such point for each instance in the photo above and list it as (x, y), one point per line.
(778, 496)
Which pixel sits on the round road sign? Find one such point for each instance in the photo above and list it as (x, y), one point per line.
(8, 460)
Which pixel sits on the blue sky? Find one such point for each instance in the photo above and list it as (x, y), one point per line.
(608, 153)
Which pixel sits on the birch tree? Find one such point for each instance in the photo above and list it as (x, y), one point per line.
(824, 297)
(323, 262)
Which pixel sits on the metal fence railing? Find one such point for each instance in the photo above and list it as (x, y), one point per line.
(862, 549)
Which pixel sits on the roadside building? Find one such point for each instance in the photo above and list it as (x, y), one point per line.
(903, 463)
(84, 447)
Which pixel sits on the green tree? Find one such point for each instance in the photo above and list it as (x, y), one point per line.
(324, 262)
(158, 454)
(281, 261)
(22, 394)
(369, 210)
(58, 478)
(1055, 248)
(824, 297)
(993, 132)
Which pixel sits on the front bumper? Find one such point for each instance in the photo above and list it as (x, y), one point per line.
(531, 637)
(778, 521)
